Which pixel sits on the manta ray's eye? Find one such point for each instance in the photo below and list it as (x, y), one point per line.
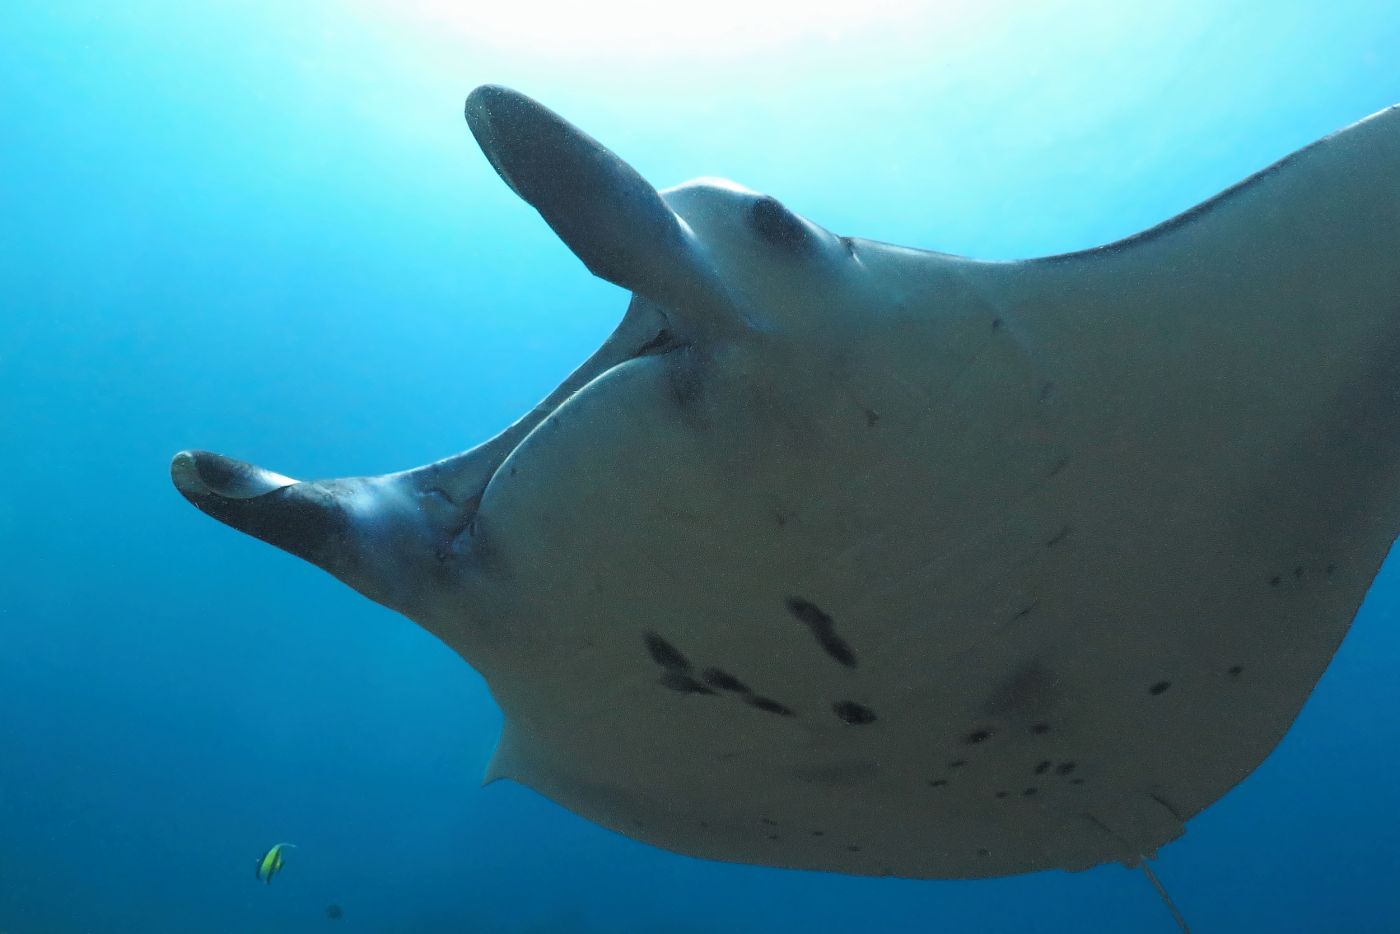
(777, 224)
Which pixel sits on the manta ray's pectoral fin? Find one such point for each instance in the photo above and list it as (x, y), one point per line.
(603, 210)
(354, 528)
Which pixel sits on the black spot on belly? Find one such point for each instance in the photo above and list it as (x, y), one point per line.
(957, 763)
(979, 736)
(664, 653)
(1042, 767)
(853, 713)
(823, 629)
(1026, 693)
(1064, 768)
(1159, 688)
(1040, 729)
(683, 683)
(1058, 537)
(769, 705)
(1235, 670)
(716, 678)
(871, 417)
(938, 783)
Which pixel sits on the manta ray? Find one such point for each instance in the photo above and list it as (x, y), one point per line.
(846, 556)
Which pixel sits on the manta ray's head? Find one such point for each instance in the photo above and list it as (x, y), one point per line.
(739, 307)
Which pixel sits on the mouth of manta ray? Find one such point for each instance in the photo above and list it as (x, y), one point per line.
(663, 341)
(227, 489)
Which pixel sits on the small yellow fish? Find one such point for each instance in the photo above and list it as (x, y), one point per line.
(271, 862)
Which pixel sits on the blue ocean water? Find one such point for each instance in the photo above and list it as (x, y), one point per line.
(263, 228)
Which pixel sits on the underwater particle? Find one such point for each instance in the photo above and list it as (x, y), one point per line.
(334, 912)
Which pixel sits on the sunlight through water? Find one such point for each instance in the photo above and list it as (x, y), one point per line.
(648, 31)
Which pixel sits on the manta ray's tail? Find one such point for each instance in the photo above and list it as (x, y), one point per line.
(1166, 899)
